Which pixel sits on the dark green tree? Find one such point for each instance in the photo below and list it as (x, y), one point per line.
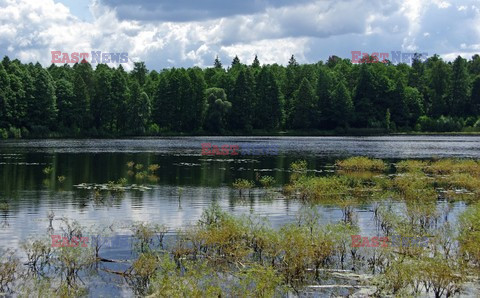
(256, 63)
(139, 73)
(81, 104)
(217, 110)
(102, 106)
(476, 96)
(459, 99)
(304, 106)
(243, 98)
(325, 107)
(42, 110)
(342, 105)
(217, 64)
(139, 109)
(5, 94)
(65, 98)
(268, 107)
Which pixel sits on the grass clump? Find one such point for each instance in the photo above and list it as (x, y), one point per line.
(450, 166)
(361, 163)
(242, 185)
(267, 181)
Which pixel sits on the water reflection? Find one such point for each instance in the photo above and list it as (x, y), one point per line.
(187, 181)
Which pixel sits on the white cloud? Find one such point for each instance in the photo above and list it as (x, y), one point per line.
(310, 29)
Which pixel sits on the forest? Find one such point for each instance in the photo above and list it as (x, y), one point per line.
(333, 97)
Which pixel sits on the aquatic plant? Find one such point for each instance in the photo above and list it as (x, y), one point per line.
(243, 184)
(298, 169)
(39, 254)
(10, 270)
(4, 206)
(48, 170)
(361, 164)
(153, 168)
(146, 233)
(61, 179)
(267, 181)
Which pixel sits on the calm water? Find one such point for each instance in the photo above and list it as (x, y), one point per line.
(187, 181)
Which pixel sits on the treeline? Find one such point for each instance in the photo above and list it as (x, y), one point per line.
(338, 96)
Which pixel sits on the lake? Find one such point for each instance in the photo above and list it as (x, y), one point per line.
(186, 183)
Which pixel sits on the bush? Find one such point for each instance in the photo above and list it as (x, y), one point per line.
(15, 133)
(3, 134)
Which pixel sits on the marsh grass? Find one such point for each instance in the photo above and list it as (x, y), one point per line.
(226, 256)
(361, 164)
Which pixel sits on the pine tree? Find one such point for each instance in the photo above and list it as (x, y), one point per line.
(256, 63)
(268, 107)
(119, 98)
(20, 84)
(139, 109)
(365, 98)
(437, 78)
(304, 106)
(459, 100)
(139, 73)
(398, 105)
(236, 62)
(242, 101)
(199, 101)
(43, 110)
(291, 84)
(102, 105)
(81, 104)
(65, 98)
(475, 100)
(217, 64)
(325, 107)
(342, 105)
(4, 98)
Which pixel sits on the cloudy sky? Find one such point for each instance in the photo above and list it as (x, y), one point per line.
(176, 33)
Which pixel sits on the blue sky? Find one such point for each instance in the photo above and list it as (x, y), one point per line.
(184, 33)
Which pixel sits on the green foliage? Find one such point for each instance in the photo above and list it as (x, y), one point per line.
(267, 181)
(80, 101)
(243, 184)
(361, 164)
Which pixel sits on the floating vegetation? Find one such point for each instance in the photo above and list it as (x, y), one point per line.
(267, 181)
(153, 168)
(111, 186)
(61, 179)
(48, 170)
(361, 164)
(4, 206)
